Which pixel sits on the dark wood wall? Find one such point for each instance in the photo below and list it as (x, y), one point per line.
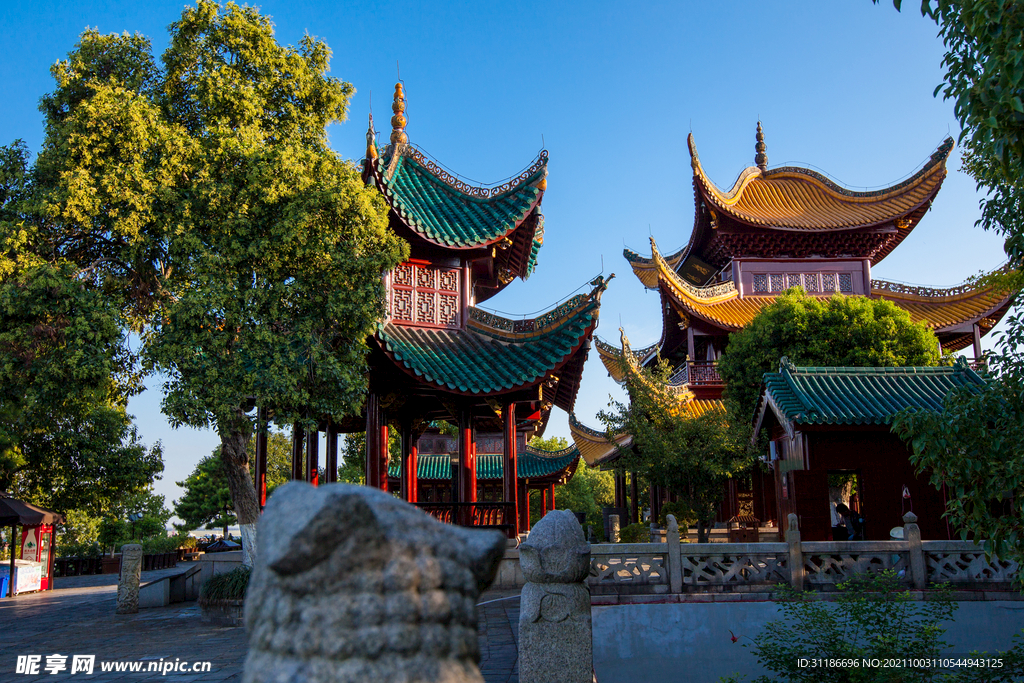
(882, 462)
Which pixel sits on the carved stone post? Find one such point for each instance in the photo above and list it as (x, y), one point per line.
(796, 555)
(918, 565)
(128, 582)
(613, 528)
(675, 557)
(555, 632)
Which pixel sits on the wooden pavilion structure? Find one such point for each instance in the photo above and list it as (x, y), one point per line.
(438, 356)
(777, 228)
(827, 422)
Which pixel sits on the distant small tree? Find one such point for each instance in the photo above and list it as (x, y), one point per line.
(207, 500)
(692, 455)
(588, 491)
(840, 330)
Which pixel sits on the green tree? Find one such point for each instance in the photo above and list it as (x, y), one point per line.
(588, 492)
(207, 500)
(974, 450)
(984, 64)
(66, 373)
(252, 252)
(841, 330)
(692, 455)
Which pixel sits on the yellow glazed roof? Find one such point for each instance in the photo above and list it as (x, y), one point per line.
(794, 198)
(939, 309)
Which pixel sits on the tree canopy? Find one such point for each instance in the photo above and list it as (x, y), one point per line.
(693, 455)
(842, 330)
(204, 190)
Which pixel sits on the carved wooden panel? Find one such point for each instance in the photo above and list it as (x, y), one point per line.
(426, 295)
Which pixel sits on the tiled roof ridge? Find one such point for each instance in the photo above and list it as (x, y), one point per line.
(509, 329)
(747, 175)
(703, 295)
(484, 193)
(966, 289)
(550, 455)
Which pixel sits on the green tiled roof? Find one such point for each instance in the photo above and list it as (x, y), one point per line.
(532, 464)
(861, 395)
(495, 354)
(449, 216)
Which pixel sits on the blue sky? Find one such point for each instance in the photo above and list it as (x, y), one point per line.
(611, 89)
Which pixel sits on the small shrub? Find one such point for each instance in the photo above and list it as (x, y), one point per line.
(227, 586)
(635, 533)
(682, 512)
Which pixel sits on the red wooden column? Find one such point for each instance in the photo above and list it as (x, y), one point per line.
(510, 466)
(524, 506)
(313, 457)
(331, 464)
(297, 441)
(261, 456)
(467, 459)
(551, 497)
(410, 474)
(374, 429)
(976, 329)
(620, 490)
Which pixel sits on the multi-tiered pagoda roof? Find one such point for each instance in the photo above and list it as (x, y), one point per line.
(779, 228)
(438, 356)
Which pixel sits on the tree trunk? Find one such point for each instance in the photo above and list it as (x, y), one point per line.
(234, 438)
(702, 530)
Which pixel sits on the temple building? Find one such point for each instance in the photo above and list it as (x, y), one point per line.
(438, 360)
(772, 230)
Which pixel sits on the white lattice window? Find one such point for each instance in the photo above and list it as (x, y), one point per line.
(846, 282)
(811, 283)
(422, 294)
(793, 280)
(778, 282)
(828, 282)
(761, 283)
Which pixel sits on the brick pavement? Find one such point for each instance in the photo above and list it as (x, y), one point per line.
(78, 618)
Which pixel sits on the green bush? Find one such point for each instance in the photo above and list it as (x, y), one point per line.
(78, 549)
(683, 514)
(873, 616)
(635, 533)
(227, 586)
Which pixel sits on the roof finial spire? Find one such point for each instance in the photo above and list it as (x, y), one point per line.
(398, 121)
(761, 158)
(371, 141)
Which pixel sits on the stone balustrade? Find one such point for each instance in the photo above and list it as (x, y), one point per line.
(673, 567)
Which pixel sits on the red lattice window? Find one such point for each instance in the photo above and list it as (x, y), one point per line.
(422, 294)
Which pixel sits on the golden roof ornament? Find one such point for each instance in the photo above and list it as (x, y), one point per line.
(371, 141)
(761, 158)
(398, 121)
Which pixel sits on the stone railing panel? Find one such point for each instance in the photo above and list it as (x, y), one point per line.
(834, 562)
(962, 562)
(705, 564)
(628, 564)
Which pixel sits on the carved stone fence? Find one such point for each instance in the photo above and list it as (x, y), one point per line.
(674, 567)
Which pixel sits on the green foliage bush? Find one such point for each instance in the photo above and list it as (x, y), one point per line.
(635, 533)
(227, 586)
(681, 511)
(873, 616)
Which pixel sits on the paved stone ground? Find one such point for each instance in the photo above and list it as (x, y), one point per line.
(77, 617)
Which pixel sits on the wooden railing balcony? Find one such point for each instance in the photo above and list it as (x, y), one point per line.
(484, 515)
(698, 373)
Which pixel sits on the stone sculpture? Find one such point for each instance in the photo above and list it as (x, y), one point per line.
(555, 641)
(128, 581)
(352, 584)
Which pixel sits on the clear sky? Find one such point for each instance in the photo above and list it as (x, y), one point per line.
(611, 89)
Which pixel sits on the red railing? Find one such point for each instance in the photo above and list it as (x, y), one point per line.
(703, 373)
(487, 515)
